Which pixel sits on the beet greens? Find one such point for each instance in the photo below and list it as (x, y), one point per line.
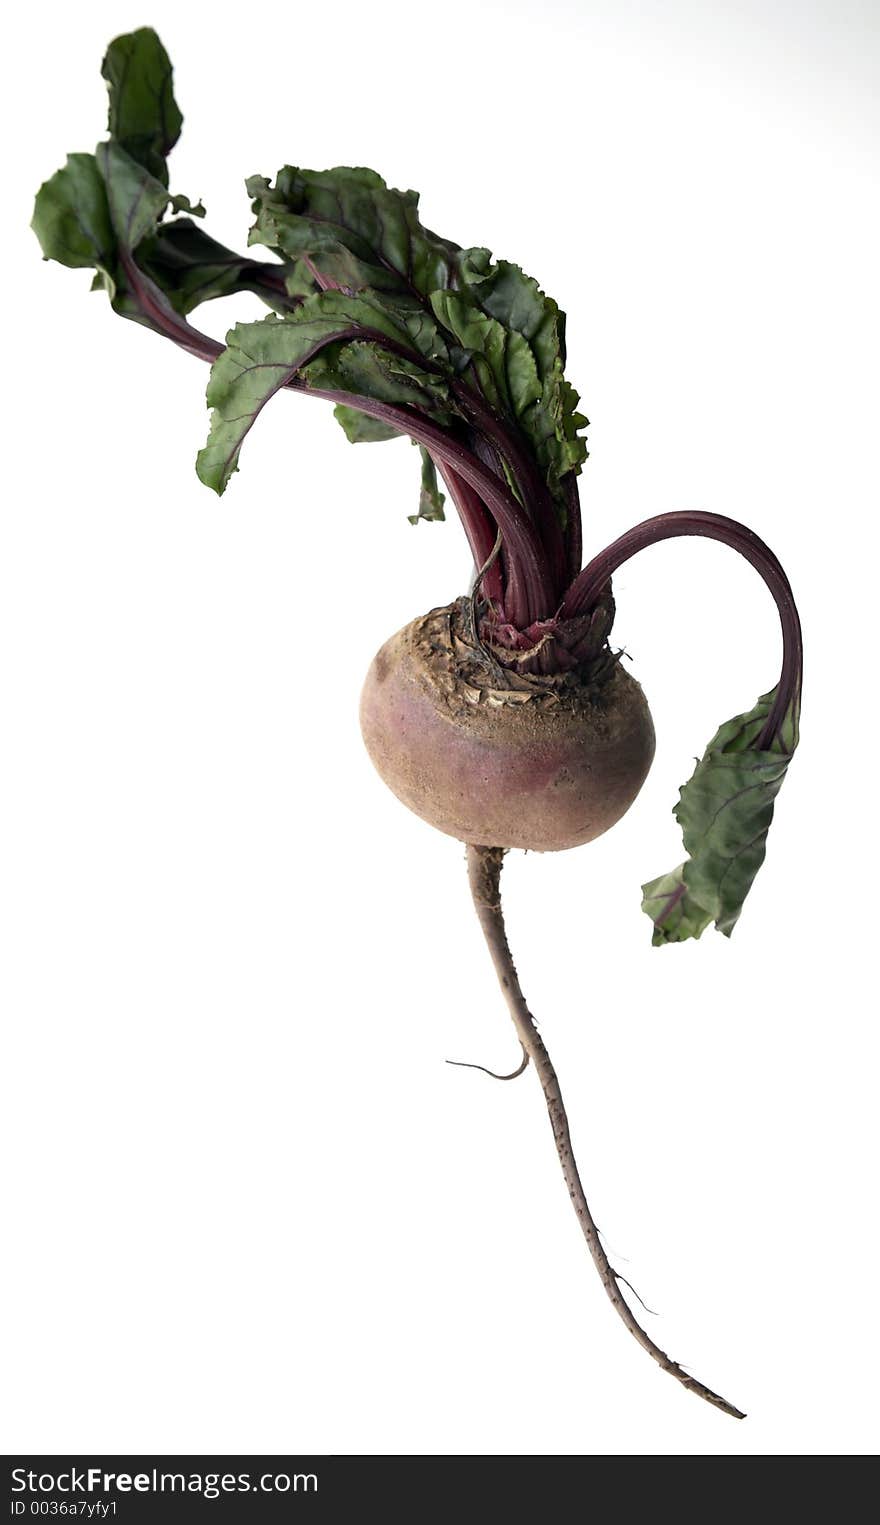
(410, 335)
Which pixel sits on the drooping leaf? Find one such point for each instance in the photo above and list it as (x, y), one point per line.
(431, 499)
(144, 118)
(725, 810)
(93, 209)
(353, 229)
(72, 219)
(349, 230)
(136, 198)
(261, 357)
(257, 361)
(136, 202)
(102, 207)
(344, 236)
(191, 268)
(674, 911)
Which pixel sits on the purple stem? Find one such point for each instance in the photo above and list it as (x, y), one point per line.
(480, 531)
(528, 595)
(574, 548)
(588, 585)
(502, 442)
(155, 306)
(532, 488)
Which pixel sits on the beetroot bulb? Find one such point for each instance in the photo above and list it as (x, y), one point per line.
(505, 717)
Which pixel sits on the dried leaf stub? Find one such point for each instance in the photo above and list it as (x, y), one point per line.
(474, 672)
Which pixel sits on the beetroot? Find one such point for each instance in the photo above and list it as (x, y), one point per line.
(539, 765)
(505, 718)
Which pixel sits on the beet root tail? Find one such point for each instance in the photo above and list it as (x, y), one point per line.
(484, 873)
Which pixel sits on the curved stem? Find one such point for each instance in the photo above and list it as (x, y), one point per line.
(587, 586)
(504, 442)
(531, 485)
(478, 526)
(484, 873)
(156, 307)
(529, 594)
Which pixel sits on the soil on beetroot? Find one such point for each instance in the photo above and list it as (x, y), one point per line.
(497, 757)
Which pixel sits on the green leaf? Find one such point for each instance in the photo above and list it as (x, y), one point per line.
(183, 204)
(101, 207)
(381, 316)
(258, 360)
(725, 810)
(300, 280)
(431, 499)
(375, 305)
(353, 229)
(191, 268)
(143, 115)
(359, 428)
(519, 368)
(502, 358)
(136, 198)
(72, 218)
(96, 206)
(365, 368)
(261, 357)
(505, 292)
(516, 301)
(673, 910)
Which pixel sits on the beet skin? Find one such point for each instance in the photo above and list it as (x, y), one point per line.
(539, 769)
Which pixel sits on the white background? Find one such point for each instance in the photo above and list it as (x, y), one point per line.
(248, 1207)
